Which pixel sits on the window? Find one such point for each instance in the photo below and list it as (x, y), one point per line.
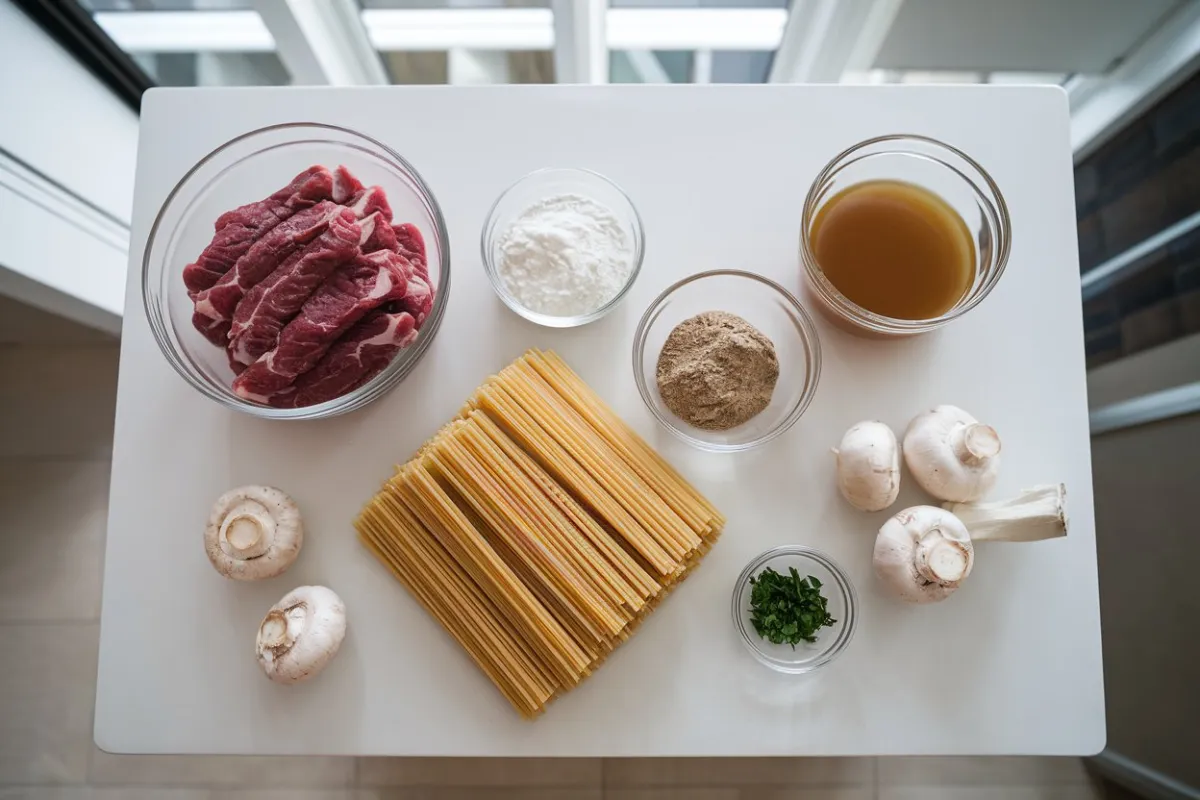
(193, 42)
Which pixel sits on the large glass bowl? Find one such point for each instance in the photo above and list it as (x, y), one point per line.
(842, 605)
(249, 168)
(768, 307)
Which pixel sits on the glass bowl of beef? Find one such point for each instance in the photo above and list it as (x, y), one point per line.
(297, 271)
(768, 307)
(572, 305)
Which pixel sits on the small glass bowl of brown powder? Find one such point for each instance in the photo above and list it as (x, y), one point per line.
(726, 360)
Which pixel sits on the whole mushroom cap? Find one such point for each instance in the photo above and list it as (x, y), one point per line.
(301, 634)
(253, 532)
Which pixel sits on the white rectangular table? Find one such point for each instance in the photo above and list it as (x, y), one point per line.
(1010, 664)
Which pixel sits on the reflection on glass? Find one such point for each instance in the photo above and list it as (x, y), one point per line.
(391, 4)
(214, 69)
(167, 5)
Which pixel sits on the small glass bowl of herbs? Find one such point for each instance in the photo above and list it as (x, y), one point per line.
(794, 609)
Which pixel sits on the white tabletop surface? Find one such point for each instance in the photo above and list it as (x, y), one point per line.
(1009, 664)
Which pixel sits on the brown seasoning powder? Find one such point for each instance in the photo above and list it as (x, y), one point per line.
(716, 371)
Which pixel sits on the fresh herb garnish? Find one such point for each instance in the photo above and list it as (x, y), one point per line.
(786, 610)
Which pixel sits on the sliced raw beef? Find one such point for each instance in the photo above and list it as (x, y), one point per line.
(354, 359)
(418, 300)
(369, 201)
(214, 306)
(342, 300)
(345, 185)
(237, 230)
(272, 302)
(412, 244)
(378, 234)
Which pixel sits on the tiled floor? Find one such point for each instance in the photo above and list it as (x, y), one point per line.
(56, 408)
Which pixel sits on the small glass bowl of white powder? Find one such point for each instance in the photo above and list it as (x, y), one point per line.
(562, 246)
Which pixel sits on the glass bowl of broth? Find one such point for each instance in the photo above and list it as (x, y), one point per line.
(902, 234)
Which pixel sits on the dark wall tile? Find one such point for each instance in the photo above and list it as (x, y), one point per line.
(1091, 242)
(1125, 160)
(1087, 189)
(1136, 215)
(1151, 326)
(1182, 184)
(1176, 119)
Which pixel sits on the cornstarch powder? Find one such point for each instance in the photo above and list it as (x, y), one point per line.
(565, 255)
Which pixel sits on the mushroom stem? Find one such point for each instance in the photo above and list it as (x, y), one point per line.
(941, 560)
(300, 634)
(974, 444)
(1036, 514)
(274, 629)
(243, 534)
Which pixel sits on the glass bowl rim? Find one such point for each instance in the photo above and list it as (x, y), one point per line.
(845, 586)
(551, 320)
(373, 389)
(808, 336)
(848, 309)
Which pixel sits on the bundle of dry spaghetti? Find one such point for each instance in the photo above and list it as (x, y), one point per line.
(538, 529)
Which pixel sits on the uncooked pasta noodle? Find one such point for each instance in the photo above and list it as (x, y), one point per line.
(538, 529)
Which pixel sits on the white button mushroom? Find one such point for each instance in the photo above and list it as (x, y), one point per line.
(868, 466)
(951, 455)
(301, 634)
(1036, 514)
(923, 554)
(253, 532)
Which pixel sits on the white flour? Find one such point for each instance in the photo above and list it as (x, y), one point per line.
(565, 255)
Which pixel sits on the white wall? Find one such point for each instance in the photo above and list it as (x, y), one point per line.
(61, 119)
(57, 252)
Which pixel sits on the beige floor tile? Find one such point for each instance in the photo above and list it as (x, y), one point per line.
(672, 794)
(59, 401)
(108, 793)
(323, 772)
(26, 324)
(506, 793)
(980, 771)
(808, 793)
(47, 690)
(297, 794)
(620, 772)
(947, 792)
(498, 772)
(52, 535)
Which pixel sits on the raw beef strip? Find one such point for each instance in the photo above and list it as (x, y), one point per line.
(354, 359)
(369, 201)
(272, 302)
(214, 306)
(412, 244)
(418, 299)
(316, 183)
(342, 300)
(378, 234)
(237, 230)
(345, 185)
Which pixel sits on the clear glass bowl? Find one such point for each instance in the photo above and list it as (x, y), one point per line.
(768, 307)
(930, 164)
(537, 186)
(842, 604)
(249, 168)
